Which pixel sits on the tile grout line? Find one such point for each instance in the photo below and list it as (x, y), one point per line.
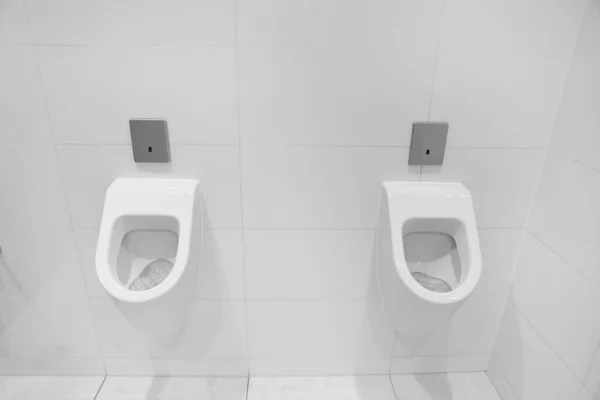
(100, 388)
(241, 189)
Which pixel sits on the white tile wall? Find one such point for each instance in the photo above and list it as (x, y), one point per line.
(319, 265)
(498, 100)
(318, 187)
(480, 314)
(23, 112)
(575, 190)
(556, 287)
(92, 92)
(291, 114)
(410, 24)
(324, 96)
(319, 329)
(533, 26)
(139, 22)
(532, 368)
(563, 305)
(14, 29)
(502, 182)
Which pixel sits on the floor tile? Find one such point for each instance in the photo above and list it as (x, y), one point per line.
(49, 388)
(464, 386)
(321, 388)
(163, 388)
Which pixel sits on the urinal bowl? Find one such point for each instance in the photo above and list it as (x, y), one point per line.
(440, 243)
(129, 240)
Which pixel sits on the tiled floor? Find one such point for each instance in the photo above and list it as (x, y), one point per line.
(467, 386)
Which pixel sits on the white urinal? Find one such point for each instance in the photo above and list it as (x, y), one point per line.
(428, 255)
(158, 222)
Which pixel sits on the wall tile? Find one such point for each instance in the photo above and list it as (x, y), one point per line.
(13, 23)
(216, 330)
(324, 96)
(588, 41)
(36, 261)
(439, 364)
(532, 368)
(502, 182)
(92, 92)
(51, 328)
(566, 213)
(493, 100)
(410, 24)
(565, 308)
(471, 331)
(313, 330)
(511, 25)
(222, 273)
(32, 193)
(23, 112)
(499, 248)
(578, 121)
(309, 264)
(318, 187)
(138, 22)
(89, 170)
(592, 377)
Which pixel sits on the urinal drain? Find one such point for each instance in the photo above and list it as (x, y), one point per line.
(152, 275)
(430, 283)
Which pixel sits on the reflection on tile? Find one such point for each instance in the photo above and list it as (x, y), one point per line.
(49, 388)
(163, 388)
(463, 386)
(321, 388)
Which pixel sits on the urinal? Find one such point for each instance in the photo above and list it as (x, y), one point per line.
(149, 222)
(428, 254)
